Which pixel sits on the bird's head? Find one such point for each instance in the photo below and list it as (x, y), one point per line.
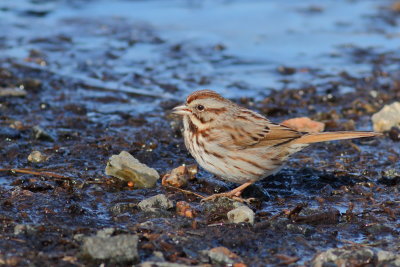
(205, 108)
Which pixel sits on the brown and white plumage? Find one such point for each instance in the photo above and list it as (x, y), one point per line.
(238, 144)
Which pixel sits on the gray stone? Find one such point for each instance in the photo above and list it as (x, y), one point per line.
(125, 167)
(387, 117)
(388, 258)
(24, 229)
(12, 92)
(105, 232)
(156, 202)
(122, 208)
(379, 229)
(40, 134)
(163, 264)
(241, 214)
(79, 237)
(221, 256)
(390, 177)
(391, 173)
(118, 249)
(305, 230)
(355, 257)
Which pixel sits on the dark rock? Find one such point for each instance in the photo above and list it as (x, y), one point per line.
(379, 230)
(9, 133)
(286, 70)
(163, 264)
(394, 134)
(40, 134)
(305, 230)
(32, 85)
(327, 190)
(319, 217)
(390, 177)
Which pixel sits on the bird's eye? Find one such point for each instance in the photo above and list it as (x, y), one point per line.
(200, 107)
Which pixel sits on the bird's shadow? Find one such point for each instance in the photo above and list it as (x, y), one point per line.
(300, 181)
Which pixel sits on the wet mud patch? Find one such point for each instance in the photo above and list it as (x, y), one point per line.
(78, 113)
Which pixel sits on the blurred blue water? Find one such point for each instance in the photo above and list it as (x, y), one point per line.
(256, 37)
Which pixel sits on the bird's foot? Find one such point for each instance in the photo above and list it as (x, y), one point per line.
(231, 195)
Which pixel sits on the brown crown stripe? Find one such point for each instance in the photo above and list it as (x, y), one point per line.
(202, 94)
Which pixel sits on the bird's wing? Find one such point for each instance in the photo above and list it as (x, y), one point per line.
(279, 135)
(251, 129)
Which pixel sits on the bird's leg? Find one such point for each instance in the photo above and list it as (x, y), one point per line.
(233, 194)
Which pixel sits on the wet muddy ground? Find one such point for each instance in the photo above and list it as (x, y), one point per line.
(92, 85)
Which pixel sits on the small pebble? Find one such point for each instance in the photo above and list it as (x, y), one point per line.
(12, 92)
(125, 167)
(24, 229)
(156, 202)
(37, 157)
(178, 177)
(241, 214)
(222, 256)
(17, 125)
(286, 70)
(184, 209)
(40, 134)
(304, 124)
(387, 117)
(116, 249)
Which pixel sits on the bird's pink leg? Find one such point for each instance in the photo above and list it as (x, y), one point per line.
(233, 194)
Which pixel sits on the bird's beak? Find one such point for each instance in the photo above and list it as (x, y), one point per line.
(181, 110)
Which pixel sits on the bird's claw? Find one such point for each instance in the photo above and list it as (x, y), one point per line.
(228, 195)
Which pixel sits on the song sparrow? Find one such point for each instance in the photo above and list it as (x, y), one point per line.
(238, 144)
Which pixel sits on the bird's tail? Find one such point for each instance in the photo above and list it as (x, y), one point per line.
(330, 136)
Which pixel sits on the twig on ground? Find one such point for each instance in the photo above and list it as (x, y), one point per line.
(39, 173)
(185, 191)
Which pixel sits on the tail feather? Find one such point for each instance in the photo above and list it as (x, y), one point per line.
(330, 136)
